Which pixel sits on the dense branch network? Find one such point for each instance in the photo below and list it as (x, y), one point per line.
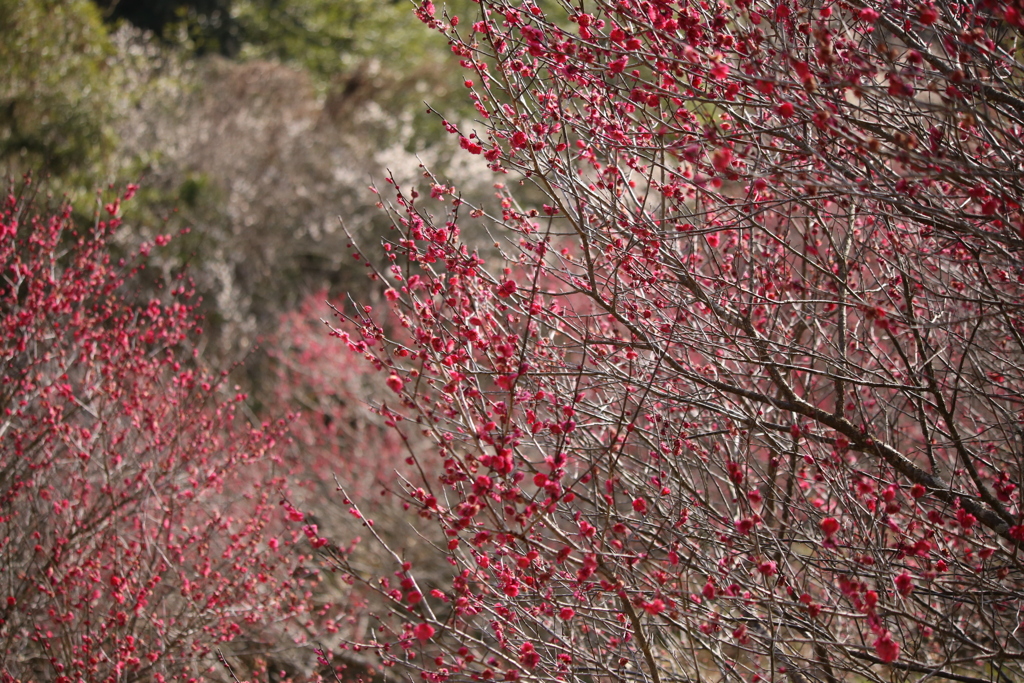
(741, 396)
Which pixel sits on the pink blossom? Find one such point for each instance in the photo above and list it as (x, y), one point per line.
(423, 632)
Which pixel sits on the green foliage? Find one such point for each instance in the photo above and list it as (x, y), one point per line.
(55, 97)
(363, 51)
(328, 37)
(207, 25)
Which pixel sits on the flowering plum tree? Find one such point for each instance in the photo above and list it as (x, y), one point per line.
(333, 431)
(335, 436)
(741, 398)
(141, 526)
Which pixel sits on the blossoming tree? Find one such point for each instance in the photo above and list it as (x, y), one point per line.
(140, 524)
(741, 398)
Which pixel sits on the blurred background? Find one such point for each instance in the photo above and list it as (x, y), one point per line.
(257, 124)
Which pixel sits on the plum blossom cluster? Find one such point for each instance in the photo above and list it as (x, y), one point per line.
(741, 395)
(141, 525)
